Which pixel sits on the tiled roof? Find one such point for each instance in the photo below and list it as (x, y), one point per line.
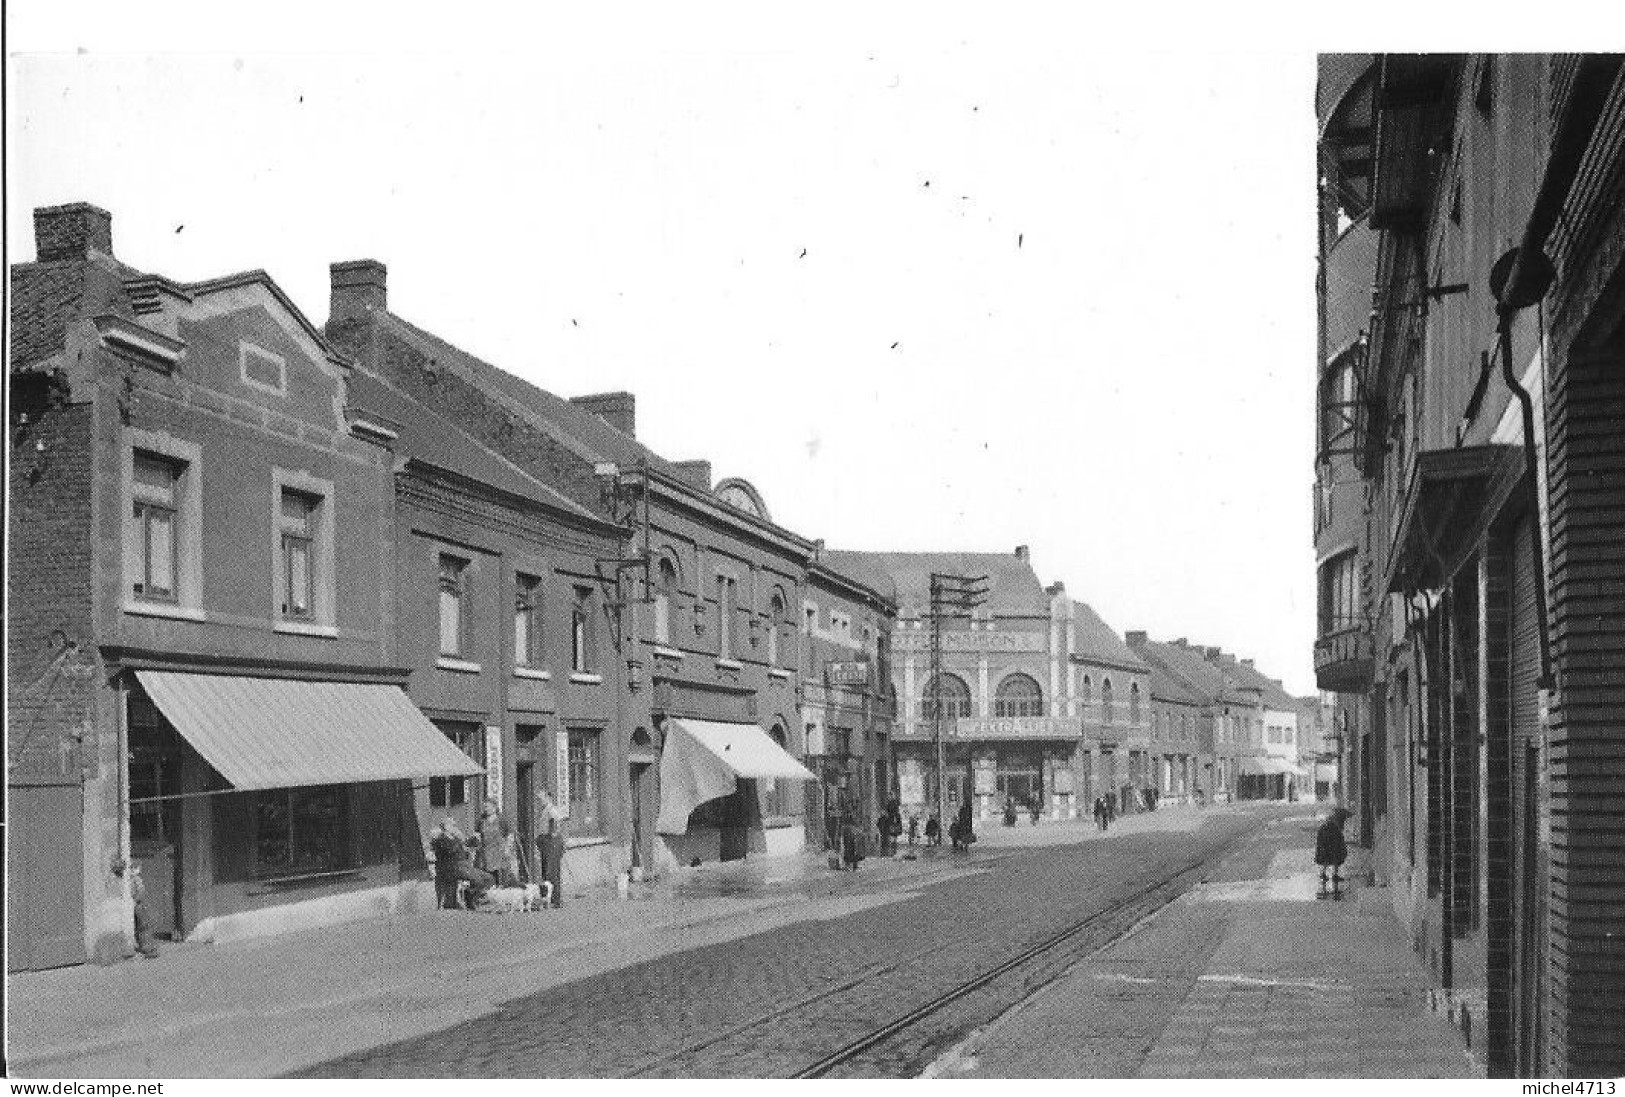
(1166, 687)
(576, 428)
(1274, 696)
(47, 297)
(429, 437)
(1094, 639)
(1013, 586)
(1187, 666)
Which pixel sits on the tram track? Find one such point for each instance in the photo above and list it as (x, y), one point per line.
(1035, 966)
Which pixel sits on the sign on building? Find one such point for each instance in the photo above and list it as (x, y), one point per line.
(561, 744)
(493, 764)
(855, 673)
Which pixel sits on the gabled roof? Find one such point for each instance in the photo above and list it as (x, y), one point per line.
(581, 431)
(1013, 586)
(1094, 640)
(1166, 687)
(1188, 667)
(427, 436)
(1274, 697)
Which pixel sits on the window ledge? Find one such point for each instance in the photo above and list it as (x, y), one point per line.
(586, 679)
(302, 628)
(163, 609)
(586, 840)
(780, 672)
(461, 666)
(668, 653)
(532, 673)
(730, 664)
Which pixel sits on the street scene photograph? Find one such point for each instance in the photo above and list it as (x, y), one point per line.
(656, 544)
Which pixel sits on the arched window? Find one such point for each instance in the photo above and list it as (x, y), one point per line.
(665, 591)
(1018, 695)
(1106, 700)
(1088, 690)
(775, 624)
(1134, 702)
(955, 697)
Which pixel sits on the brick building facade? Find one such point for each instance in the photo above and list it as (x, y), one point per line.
(1469, 452)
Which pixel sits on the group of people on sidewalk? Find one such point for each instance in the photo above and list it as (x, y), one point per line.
(493, 856)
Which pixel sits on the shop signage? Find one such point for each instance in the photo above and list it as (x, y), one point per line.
(493, 764)
(561, 743)
(920, 640)
(847, 674)
(1021, 727)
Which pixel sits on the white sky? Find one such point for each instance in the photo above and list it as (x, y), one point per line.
(1102, 303)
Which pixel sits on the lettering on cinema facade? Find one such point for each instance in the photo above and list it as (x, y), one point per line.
(1006, 727)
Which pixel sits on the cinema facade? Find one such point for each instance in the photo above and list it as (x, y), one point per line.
(1042, 704)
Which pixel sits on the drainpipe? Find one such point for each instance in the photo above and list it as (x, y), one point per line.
(1523, 276)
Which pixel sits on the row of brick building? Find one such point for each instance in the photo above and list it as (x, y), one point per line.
(1470, 525)
(282, 596)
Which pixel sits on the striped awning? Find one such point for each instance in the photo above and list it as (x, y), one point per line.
(283, 733)
(1270, 767)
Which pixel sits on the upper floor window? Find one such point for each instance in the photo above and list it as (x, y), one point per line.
(727, 589)
(297, 519)
(1086, 691)
(954, 694)
(1339, 593)
(1134, 702)
(155, 517)
(581, 631)
(527, 621)
(1338, 403)
(453, 605)
(775, 623)
(1106, 700)
(1018, 695)
(665, 592)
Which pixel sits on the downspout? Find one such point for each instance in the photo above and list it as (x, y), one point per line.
(1521, 278)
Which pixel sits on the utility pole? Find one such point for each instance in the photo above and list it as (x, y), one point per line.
(950, 594)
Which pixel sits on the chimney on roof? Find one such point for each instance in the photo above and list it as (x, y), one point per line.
(1134, 639)
(1213, 653)
(359, 288)
(1022, 554)
(618, 409)
(1248, 663)
(1179, 643)
(694, 473)
(71, 232)
(1056, 587)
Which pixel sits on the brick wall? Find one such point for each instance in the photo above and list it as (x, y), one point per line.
(50, 695)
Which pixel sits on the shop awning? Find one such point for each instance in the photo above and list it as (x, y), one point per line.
(704, 759)
(1270, 767)
(283, 733)
(1453, 496)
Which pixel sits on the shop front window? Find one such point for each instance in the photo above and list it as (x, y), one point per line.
(301, 831)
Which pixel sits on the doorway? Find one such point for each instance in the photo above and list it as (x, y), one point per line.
(524, 779)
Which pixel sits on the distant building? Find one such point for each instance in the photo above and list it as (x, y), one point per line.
(1040, 703)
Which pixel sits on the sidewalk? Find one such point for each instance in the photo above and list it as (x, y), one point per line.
(1249, 976)
(258, 1007)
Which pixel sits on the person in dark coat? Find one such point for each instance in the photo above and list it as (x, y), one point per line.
(1102, 812)
(551, 848)
(933, 831)
(1009, 812)
(1330, 848)
(964, 831)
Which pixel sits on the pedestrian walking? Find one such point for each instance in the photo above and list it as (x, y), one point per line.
(933, 831)
(851, 846)
(1331, 850)
(144, 943)
(1009, 812)
(913, 828)
(1033, 807)
(446, 849)
(550, 846)
(1102, 812)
